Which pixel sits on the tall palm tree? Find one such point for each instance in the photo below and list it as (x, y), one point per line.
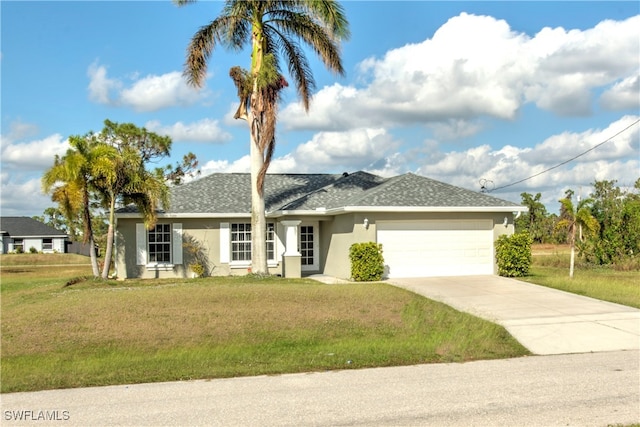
(576, 217)
(273, 28)
(69, 181)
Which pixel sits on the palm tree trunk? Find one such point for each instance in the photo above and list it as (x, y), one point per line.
(109, 251)
(258, 220)
(573, 251)
(88, 228)
(94, 257)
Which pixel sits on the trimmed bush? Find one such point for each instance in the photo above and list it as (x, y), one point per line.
(367, 263)
(513, 254)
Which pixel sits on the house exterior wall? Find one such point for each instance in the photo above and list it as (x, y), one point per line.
(336, 235)
(345, 230)
(202, 234)
(57, 244)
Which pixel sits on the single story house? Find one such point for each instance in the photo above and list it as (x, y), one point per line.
(426, 227)
(21, 233)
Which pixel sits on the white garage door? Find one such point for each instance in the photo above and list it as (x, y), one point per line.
(436, 248)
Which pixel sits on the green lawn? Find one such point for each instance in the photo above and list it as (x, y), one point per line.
(551, 268)
(100, 333)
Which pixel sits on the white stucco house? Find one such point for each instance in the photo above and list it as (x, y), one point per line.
(426, 227)
(21, 233)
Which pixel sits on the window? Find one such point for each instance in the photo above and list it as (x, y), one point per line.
(271, 241)
(241, 242)
(159, 239)
(47, 244)
(159, 248)
(18, 245)
(306, 245)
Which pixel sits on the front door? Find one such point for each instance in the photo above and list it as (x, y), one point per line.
(309, 246)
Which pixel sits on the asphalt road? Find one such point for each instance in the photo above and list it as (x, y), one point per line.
(590, 389)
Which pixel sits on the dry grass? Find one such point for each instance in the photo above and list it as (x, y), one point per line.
(551, 268)
(43, 259)
(98, 333)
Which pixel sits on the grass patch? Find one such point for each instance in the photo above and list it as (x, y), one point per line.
(551, 268)
(42, 259)
(106, 332)
(621, 287)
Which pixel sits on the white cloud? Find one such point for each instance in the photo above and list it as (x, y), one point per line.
(476, 67)
(13, 201)
(153, 93)
(33, 155)
(149, 93)
(617, 159)
(100, 86)
(242, 165)
(205, 130)
(625, 94)
(326, 152)
(344, 151)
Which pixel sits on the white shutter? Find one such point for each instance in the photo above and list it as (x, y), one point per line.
(176, 238)
(225, 242)
(141, 244)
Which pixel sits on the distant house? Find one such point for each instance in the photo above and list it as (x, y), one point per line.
(426, 227)
(21, 233)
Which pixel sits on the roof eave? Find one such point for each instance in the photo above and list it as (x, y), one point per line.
(434, 209)
(136, 215)
(337, 211)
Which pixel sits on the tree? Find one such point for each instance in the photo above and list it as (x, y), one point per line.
(272, 28)
(121, 174)
(111, 167)
(55, 218)
(631, 221)
(574, 217)
(535, 220)
(69, 181)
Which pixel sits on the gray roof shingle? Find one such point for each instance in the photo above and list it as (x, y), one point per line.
(221, 193)
(22, 226)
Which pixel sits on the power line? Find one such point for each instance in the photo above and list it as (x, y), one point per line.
(570, 160)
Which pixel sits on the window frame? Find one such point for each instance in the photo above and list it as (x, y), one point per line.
(241, 250)
(47, 244)
(164, 235)
(18, 243)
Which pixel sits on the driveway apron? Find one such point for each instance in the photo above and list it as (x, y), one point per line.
(546, 321)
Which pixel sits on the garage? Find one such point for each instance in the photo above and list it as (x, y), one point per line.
(436, 247)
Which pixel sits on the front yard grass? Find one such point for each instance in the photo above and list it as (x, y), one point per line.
(101, 333)
(551, 268)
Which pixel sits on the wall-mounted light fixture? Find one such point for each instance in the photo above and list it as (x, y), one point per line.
(505, 222)
(366, 223)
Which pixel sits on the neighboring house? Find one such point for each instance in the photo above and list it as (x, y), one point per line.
(21, 233)
(426, 227)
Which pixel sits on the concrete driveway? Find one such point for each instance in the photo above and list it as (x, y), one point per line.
(544, 320)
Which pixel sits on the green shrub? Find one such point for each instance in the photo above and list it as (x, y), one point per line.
(367, 263)
(33, 250)
(513, 254)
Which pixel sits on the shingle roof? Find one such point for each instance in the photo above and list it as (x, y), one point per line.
(231, 193)
(22, 226)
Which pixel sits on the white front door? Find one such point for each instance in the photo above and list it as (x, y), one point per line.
(308, 240)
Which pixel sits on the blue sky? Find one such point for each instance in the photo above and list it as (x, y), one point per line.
(456, 91)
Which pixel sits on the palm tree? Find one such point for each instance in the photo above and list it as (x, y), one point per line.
(574, 218)
(69, 181)
(272, 28)
(120, 175)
